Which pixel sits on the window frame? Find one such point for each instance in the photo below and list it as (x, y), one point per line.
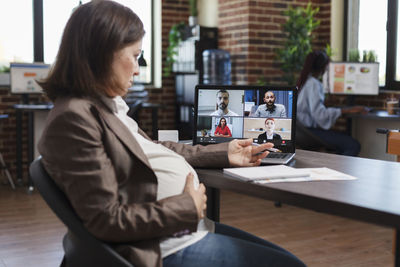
(38, 36)
(391, 29)
(391, 43)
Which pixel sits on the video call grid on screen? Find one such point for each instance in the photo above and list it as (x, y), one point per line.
(243, 119)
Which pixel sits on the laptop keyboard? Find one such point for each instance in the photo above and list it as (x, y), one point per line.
(277, 155)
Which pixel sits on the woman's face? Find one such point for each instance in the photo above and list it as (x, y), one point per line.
(223, 122)
(125, 64)
(270, 126)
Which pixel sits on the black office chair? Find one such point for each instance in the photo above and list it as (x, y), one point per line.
(3, 166)
(80, 247)
(307, 140)
(134, 108)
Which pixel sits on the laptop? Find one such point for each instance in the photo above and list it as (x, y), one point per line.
(226, 112)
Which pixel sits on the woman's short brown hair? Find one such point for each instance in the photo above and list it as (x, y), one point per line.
(269, 119)
(94, 32)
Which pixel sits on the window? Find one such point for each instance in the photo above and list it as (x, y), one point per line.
(55, 16)
(18, 42)
(144, 10)
(57, 13)
(367, 34)
(374, 25)
(16, 35)
(372, 32)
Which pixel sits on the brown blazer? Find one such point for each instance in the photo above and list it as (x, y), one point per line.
(94, 159)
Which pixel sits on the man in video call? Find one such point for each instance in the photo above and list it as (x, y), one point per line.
(222, 105)
(270, 109)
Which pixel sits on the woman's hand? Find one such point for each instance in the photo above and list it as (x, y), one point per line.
(199, 195)
(243, 153)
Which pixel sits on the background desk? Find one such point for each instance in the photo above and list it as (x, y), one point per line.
(36, 113)
(373, 198)
(363, 128)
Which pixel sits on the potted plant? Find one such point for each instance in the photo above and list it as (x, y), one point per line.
(193, 12)
(174, 38)
(4, 75)
(369, 56)
(298, 28)
(354, 55)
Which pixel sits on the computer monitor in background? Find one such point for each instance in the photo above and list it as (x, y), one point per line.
(352, 78)
(23, 77)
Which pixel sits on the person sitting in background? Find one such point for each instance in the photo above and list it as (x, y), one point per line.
(269, 135)
(142, 197)
(222, 129)
(312, 112)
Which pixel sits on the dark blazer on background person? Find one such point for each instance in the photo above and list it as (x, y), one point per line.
(276, 139)
(94, 159)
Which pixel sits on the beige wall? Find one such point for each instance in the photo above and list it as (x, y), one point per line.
(337, 23)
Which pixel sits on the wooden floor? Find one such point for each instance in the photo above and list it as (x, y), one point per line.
(30, 235)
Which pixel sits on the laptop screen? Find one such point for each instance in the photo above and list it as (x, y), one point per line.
(263, 113)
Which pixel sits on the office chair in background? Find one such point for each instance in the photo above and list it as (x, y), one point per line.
(307, 140)
(134, 108)
(81, 248)
(6, 172)
(3, 165)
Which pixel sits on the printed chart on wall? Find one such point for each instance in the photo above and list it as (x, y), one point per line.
(353, 78)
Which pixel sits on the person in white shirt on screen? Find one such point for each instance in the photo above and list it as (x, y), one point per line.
(222, 105)
(270, 109)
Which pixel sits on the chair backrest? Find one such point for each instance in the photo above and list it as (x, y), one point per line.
(134, 108)
(305, 139)
(81, 248)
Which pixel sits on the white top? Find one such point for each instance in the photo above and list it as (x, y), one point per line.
(311, 111)
(262, 111)
(220, 112)
(171, 170)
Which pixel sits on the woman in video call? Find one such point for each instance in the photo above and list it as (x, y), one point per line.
(269, 135)
(313, 114)
(222, 129)
(142, 197)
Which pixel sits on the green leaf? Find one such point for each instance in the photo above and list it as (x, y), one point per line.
(298, 28)
(174, 38)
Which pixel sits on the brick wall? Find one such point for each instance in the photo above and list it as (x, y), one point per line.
(8, 129)
(173, 11)
(251, 31)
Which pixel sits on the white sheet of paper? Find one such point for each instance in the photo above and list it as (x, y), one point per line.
(168, 135)
(316, 174)
(266, 172)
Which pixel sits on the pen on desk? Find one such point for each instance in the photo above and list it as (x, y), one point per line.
(272, 149)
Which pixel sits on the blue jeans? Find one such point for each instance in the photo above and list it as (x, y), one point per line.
(232, 247)
(343, 143)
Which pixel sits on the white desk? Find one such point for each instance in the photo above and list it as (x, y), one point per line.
(363, 129)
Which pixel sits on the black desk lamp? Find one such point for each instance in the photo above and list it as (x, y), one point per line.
(142, 69)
